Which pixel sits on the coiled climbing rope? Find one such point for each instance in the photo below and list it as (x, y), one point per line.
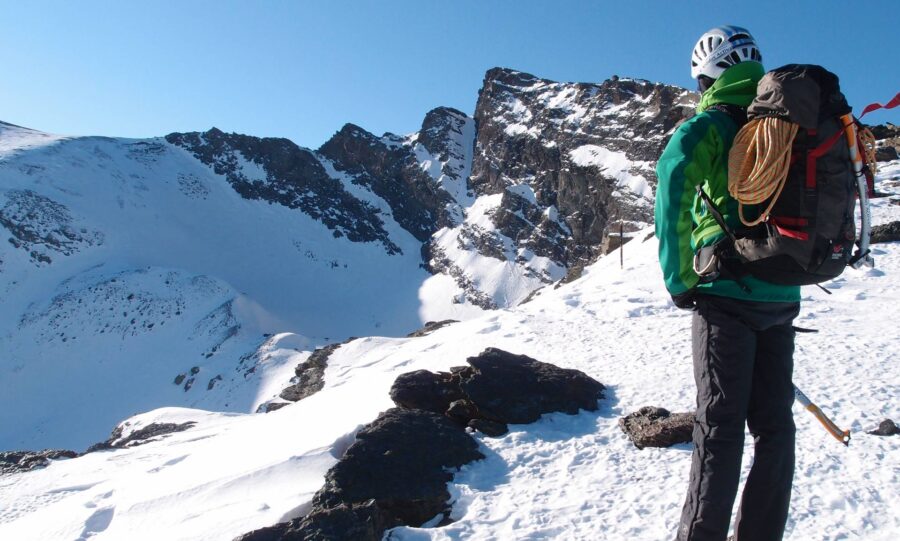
(758, 163)
(868, 143)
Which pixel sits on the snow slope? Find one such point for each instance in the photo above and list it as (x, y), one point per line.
(564, 477)
(129, 262)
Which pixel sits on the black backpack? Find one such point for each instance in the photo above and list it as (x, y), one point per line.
(810, 231)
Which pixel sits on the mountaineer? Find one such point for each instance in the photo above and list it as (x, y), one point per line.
(742, 335)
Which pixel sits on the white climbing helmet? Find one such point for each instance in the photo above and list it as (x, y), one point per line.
(721, 48)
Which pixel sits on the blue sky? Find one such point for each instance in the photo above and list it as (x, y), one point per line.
(302, 69)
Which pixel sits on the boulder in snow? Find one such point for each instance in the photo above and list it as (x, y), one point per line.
(499, 387)
(886, 428)
(889, 232)
(517, 389)
(426, 390)
(657, 427)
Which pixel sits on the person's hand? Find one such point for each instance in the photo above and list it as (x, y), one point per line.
(686, 300)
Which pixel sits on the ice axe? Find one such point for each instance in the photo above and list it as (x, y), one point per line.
(842, 436)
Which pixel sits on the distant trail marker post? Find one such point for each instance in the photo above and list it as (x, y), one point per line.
(621, 243)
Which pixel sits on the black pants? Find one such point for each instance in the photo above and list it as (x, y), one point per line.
(743, 364)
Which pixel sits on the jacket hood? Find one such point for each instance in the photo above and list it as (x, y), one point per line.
(736, 86)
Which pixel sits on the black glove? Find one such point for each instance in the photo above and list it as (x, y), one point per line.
(686, 300)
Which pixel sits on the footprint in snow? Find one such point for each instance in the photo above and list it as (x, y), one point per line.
(98, 522)
(168, 463)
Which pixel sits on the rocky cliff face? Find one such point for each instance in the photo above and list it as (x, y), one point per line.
(555, 167)
(586, 150)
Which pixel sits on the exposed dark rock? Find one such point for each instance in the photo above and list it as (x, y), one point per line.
(401, 461)
(140, 436)
(440, 128)
(362, 522)
(390, 169)
(886, 154)
(273, 406)
(179, 379)
(310, 374)
(212, 382)
(22, 461)
(426, 390)
(492, 429)
(500, 387)
(40, 226)
(889, 232)
(462, 411)
(397, 470)
(517, 389)
(430, 327)
(657, 427)
(886, 428)
(887, 137)
(396, 473)
(293, 177)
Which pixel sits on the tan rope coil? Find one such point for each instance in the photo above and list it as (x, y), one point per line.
(758, 163)
(868, 143)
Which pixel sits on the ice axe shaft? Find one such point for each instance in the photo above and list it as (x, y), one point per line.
(842, 436)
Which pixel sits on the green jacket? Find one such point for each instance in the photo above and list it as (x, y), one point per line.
(697, 154)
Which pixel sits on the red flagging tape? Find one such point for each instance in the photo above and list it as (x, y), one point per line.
(875, 106)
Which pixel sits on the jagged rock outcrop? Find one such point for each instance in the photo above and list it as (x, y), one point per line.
(22, 461)
(395, 473)
(496, 389)
(657, 427)
(430, 327)
(279, 171)
(120, 440)
(310, 375)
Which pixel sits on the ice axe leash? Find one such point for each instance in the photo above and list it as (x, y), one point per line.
(842, 436)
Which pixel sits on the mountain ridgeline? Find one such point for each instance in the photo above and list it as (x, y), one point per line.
(564, 162)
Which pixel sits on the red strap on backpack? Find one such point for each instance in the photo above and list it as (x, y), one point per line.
(814, 154)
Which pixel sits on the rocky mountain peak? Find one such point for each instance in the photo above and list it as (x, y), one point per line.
(586, 151)
(389, 169)
(510, 78)
(440, 128)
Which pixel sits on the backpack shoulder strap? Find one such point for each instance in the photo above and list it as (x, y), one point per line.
(736, 113)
